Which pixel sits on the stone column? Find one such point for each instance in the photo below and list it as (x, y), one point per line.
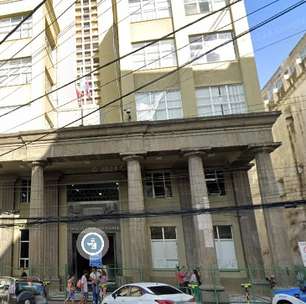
(247, 222)
(203, 230)
(274, 217)
(138, 242)
(7, 187)
(51, 230)
(37, 209)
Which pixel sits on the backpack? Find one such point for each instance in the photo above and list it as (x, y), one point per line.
(79, 284)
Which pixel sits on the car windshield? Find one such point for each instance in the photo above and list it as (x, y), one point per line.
(35, 287)
(163, 290)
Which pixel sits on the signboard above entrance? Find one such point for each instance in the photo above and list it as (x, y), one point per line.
(92, 242)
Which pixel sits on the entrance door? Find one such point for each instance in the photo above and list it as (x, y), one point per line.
(80, 264)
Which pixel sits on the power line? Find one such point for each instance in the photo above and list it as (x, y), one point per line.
(122, 57)
(144, 214)
(261, 24)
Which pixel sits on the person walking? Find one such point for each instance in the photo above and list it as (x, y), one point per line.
(194, 284)
(103, 284)
(70, 290)
(84, 288)
(95, 281)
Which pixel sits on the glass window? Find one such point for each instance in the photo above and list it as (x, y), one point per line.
(24, 248)
(221, 100)
(158, 55)
(8, 24)
(201, 44)
(215, 182)
(135, 291)
(193, 7)
(93, 192)
(164, 247)
(225, 247)
(164, 290)
(25, 191)
(149, 9)
(158, 184)
(15, 71)
(159, 105)
(123, 292)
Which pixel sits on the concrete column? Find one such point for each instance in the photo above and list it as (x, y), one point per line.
(37, 209)
(138, 242)
(274, 217)
(51, 244)
(203, 229)
(7, 184)
(248, 228)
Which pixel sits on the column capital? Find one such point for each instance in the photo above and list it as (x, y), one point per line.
(39, 163)
(195, 152)
(128, 157)
(265, 148)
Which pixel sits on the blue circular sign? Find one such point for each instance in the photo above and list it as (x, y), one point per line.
(92, 242)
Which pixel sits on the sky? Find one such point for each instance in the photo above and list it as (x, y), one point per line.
(270, 58)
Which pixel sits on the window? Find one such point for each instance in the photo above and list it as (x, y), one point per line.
(159, 105)
(93, 192)
(225, 247)
(193, 7)
(221, 100)
(8, 24)
(25, 191)
(135, 291)
(215, 182)
(158, 55)
(158, 184)
(149, 9)
(24, 249)
(164, 247)
(202, 44)
(15, 71)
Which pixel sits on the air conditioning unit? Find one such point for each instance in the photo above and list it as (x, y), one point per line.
(275, 90)
(287, 76)
(299, 60)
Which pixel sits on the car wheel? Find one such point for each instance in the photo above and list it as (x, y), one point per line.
(283, 302)
(27, 301)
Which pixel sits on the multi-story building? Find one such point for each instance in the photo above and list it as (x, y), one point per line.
(27, 71)
(285, 92)
(182, 143)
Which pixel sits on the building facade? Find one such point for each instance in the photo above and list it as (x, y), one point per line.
(180, 144)
(285, 92)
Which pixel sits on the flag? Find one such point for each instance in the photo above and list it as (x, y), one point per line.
(83, 90)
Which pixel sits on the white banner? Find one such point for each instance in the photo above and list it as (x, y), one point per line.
(302, 246)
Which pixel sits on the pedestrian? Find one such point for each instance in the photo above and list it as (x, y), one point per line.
(195, 278)
(95, 281)
(181, 278)
(84, 287)
(70, 289)
(23, 274)
(103, 284)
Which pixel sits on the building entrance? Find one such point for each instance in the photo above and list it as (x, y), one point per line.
(80, 264)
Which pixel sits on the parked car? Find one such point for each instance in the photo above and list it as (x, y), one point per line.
(22, 291)
(289, 296)
(149, 293)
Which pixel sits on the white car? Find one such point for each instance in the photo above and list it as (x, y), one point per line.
(148, 293)
(289, 296)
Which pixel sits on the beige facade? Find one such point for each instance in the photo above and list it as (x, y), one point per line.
(180, 144)
(285, 92)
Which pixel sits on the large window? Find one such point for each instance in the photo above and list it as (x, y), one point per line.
(157, 184)
(215, 182)
(206, 43)
(193, 7)
(15, 71)
(24, 248)
(93, 192)
(25, 191)
(225, 247)
(149, 9)
(8, 24)
(159, 105)
(160, 54)
(221, 100)
(164, 247)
